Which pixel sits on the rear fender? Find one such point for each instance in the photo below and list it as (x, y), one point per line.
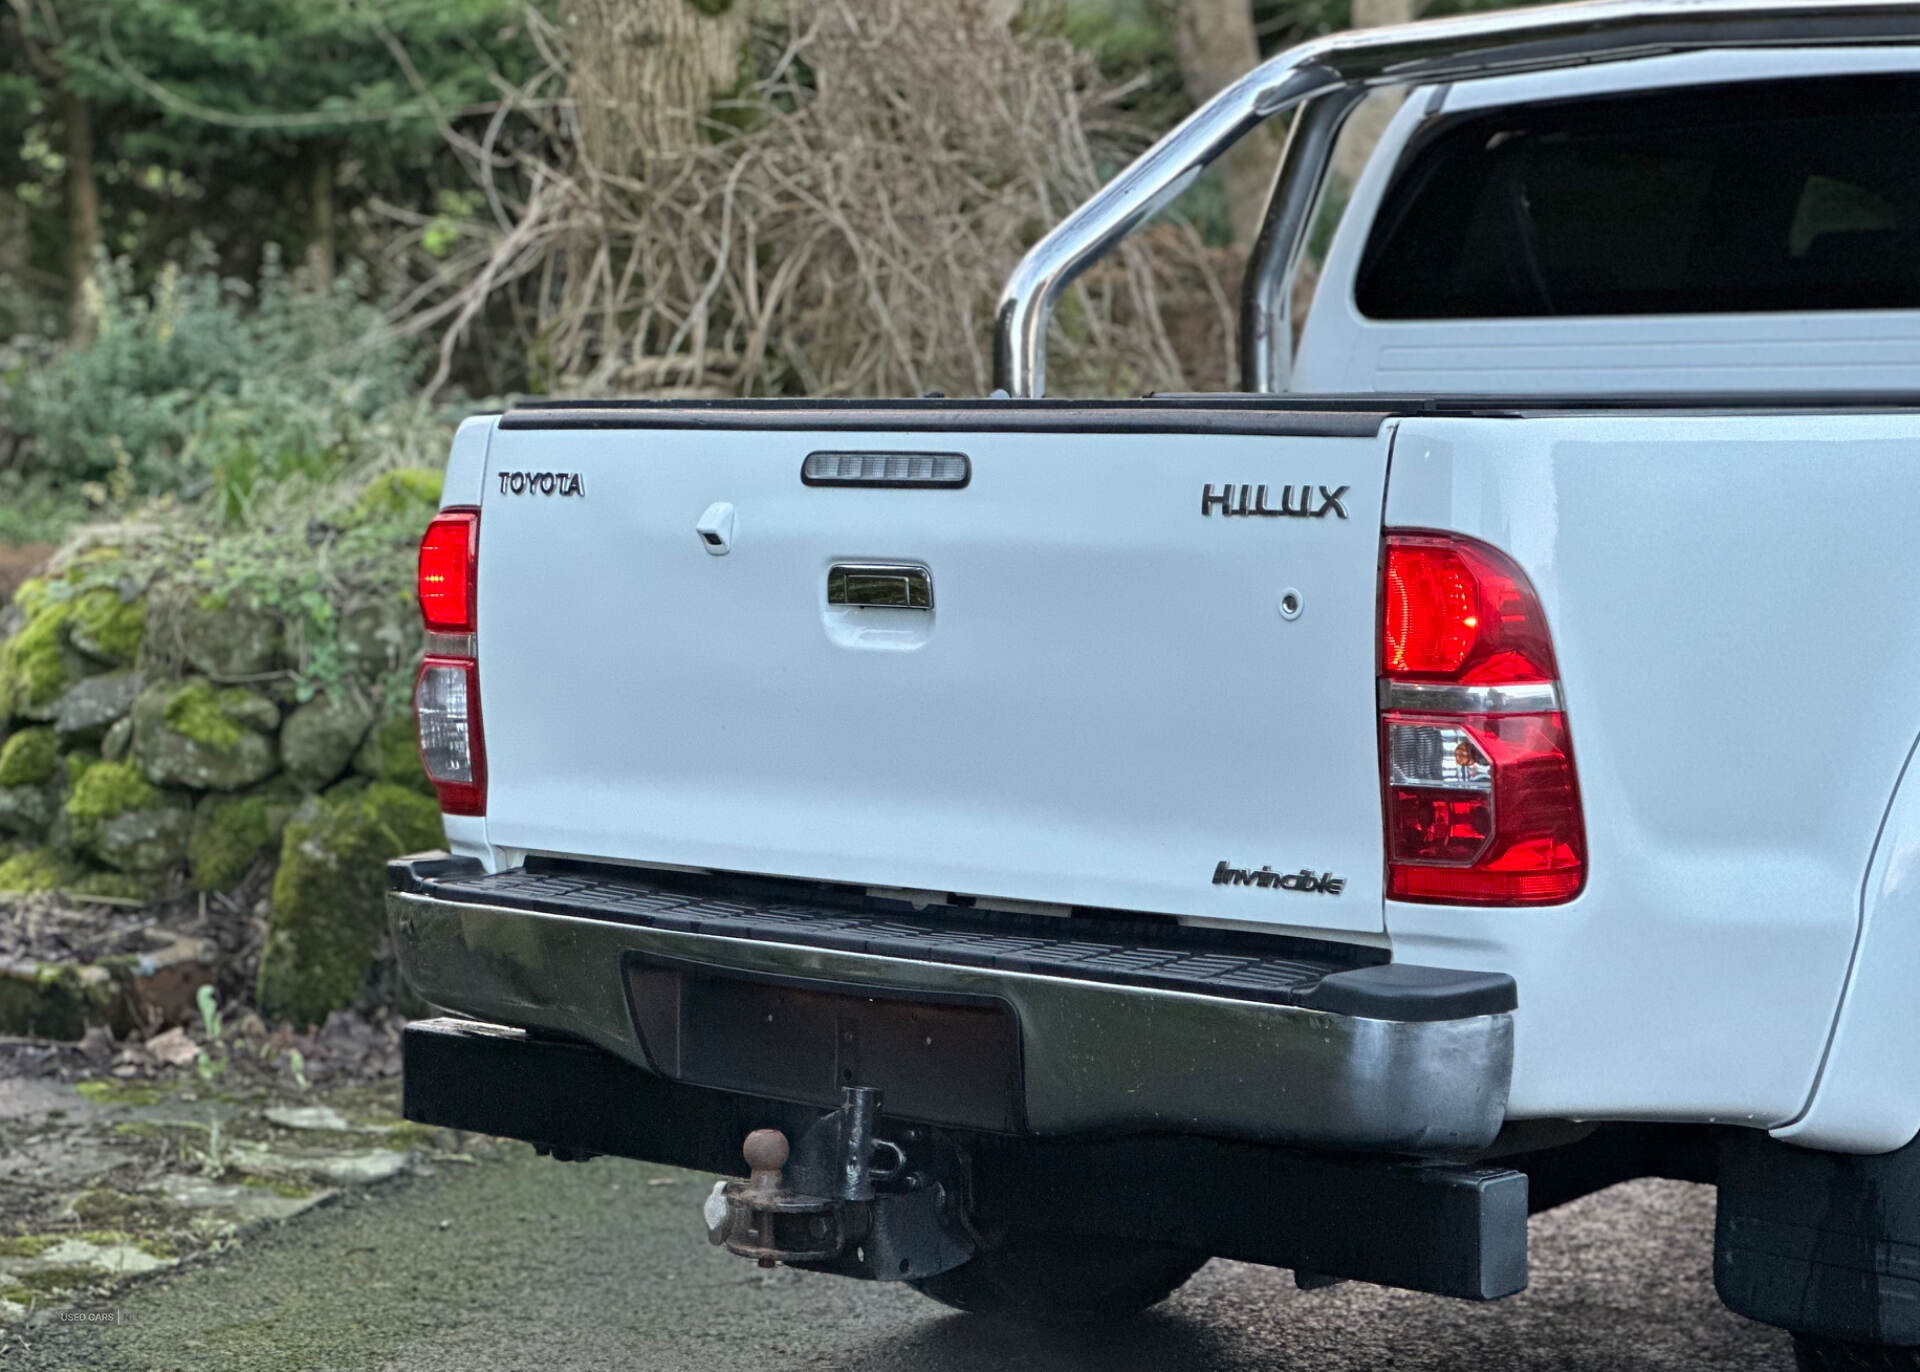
(1867, 1096)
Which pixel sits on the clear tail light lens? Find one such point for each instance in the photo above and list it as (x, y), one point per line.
(446, 701)
(1481, 800)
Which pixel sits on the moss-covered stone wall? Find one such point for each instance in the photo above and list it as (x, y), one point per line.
(159, 738)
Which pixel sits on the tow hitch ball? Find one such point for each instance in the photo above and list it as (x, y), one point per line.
(844, 1200)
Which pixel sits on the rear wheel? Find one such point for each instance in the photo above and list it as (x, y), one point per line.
(1816, 1354)
(1035, 1277)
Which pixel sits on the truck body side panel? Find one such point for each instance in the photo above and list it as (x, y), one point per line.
(1868, 1096)
(1733, 600)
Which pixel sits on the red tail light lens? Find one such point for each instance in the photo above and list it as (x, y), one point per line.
(449, 561)
(1458, 611)
(1482, 803)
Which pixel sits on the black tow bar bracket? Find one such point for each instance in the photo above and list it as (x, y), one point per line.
(843, 1199)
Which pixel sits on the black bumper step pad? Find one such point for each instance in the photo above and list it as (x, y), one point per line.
(1267, 968)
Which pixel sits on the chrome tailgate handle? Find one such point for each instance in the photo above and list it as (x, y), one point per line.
(884, 585)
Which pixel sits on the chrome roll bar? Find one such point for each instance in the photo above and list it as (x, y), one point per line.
(1328, 75)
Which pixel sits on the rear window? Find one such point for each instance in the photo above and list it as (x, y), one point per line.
(1780, 195)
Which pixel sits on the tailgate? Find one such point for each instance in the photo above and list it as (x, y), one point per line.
(1102, 703)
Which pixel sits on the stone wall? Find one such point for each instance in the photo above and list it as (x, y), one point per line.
(137, 768)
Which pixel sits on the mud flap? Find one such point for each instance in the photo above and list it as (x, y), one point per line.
(1820, 1243)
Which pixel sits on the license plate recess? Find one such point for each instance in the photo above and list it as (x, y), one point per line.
(942, 1059)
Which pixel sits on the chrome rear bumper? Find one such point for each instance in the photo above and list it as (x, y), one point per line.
(1095, 1056)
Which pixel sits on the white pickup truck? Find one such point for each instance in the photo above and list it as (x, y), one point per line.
(1062, 840)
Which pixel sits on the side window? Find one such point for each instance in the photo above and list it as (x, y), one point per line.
(1784, 195)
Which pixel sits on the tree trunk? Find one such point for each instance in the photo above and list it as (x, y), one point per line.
(14, 244)
(1215, 45)
(645, 72)
(83, 211)
(321, 247)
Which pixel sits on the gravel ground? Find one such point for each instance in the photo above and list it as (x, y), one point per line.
(528, 1264)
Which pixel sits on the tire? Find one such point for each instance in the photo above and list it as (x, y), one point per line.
(1029, 1276)
(1815, 1354)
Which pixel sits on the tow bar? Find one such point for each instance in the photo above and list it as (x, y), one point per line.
(823, 1203)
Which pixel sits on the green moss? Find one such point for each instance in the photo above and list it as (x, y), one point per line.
(409, 1134)
(410, 821)
(104, 790)
(27, 1245)
(111, 788)
(105, 626)
(102, 1207)
(280, 1186)
(392, 494)
(37, 869)
(391, 752)
(230, 832)
(33, 665)
(31, 595)
(50, 1281)
(28, 758)
(113, 1091)
(346, 792)
(195, 712)
(53, 1000)
(114, 1238)
(329, 897)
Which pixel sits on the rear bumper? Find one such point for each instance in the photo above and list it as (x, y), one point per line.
(1095, 1056)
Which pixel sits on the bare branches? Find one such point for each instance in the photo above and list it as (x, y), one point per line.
(840, 227)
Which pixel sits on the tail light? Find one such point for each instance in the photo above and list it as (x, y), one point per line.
(1481, 801)
(449, 563)
(446, 694)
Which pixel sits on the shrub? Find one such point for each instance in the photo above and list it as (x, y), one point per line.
(206, 386)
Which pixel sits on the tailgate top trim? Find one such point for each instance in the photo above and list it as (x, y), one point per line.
(1334, 420)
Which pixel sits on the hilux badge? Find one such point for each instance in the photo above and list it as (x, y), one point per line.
(1326, 883)
(1252, 500)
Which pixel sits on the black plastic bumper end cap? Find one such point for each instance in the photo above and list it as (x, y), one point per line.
(1414, 995)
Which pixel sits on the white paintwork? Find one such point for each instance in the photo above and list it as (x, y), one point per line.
(1836, 352)
(1104, 703)
(467, 836)
(467, 463)
(1736, 607)
(1868, 1098)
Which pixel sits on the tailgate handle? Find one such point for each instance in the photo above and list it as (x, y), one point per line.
(884, 585)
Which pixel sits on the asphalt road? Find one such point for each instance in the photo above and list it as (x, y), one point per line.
(530, 1264)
